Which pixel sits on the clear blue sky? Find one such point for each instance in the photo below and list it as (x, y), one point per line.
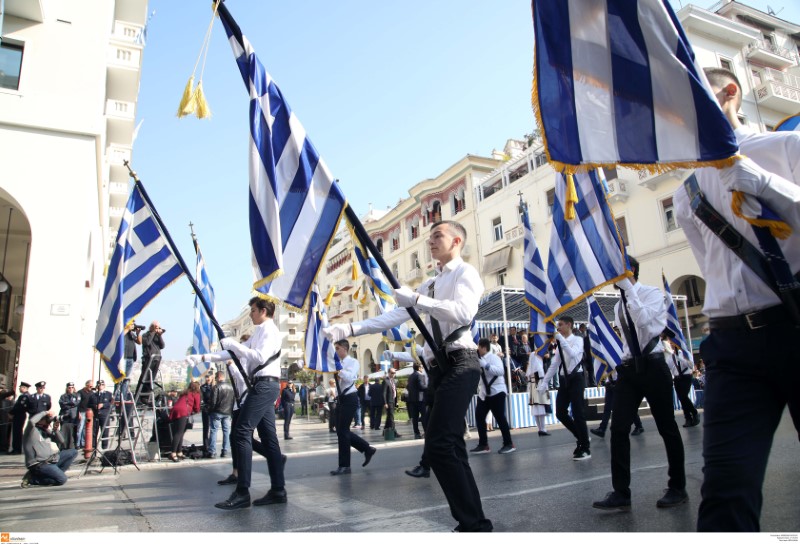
(390, 94)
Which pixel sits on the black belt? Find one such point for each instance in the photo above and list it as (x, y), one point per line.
(654, 356)
(754, 320)
(458, 351)
(256, 380)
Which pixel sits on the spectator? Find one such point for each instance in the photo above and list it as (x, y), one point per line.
(206, 391)
(219, 413)
(187, 404)
(69, 414)
(84, 397)
(330, 397)
(304, 400)
(287, 401)
(363, 400)
(390, 401)
(495, 346)
(100, 403)
(45, 462)
(375, 397)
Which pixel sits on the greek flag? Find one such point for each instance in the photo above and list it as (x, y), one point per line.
(535, 282)
(319, 351)
(203, 335)
(673, 323)
(380, 288)
(141, 266)
(586, 253)
(616, 82)
(605, 344)
(295, 206)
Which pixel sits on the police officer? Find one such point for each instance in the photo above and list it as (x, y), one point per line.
(39, 401)
(206, 393)
(642, 315)
(68, 415)
(20, 413)
(450, 301)
(287, 402)
(100, 403)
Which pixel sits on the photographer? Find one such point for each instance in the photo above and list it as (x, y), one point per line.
(152, 345)
(46, 464)
(133, 336)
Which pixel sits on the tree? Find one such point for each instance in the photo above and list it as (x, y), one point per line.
(304, 376)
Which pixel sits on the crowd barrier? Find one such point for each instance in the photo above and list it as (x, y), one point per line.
(519, 414)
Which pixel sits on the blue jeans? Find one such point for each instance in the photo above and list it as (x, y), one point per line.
(215, 419)
(124, 385)
(358, 416)
(53, 474)
(81, 436)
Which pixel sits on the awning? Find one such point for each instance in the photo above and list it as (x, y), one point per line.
(496, 260)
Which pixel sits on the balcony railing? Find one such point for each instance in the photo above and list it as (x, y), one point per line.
(120, 109)
(413, 275)
(617, 190)
(780, 77)
(767, 52)
(515, 235)
(117, 155)
(294, 337)
(126, 32)
(779, 91)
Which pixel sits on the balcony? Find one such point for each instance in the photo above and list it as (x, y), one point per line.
(116, 211)
(765, 52)
(346, 308)
(124, 57)
(345, 285)
(121, 110)
(515, 236)
(295, 337)
(294, 354)
(778, 91)
(414, 275)
(117, 155)
(617, 191)
(294, 320)
(652, 181)
(127, 33)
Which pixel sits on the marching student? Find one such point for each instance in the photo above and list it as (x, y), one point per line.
(492, 393)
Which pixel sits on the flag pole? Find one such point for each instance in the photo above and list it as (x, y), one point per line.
(363, 237)
(182, 263)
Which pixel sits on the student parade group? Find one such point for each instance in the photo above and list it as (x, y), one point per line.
(751, 376)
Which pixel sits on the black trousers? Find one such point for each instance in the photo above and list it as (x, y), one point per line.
(178, 428)
(751, 377)
(389, 416)
(288, 413)
(258, 412)
(445, 448)
(206, 430)
(18, 425)
(99, 423)
(258, 446)
(683, 384)
(608, 406)
(345, 413)
(570, 392)
(303, 407)
(375, 416)
(497, 405)
(414, 414)
(655, 384)
(332, 408)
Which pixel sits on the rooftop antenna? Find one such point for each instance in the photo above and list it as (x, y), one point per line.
(772, 11)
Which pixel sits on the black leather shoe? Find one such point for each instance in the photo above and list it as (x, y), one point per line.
(614, 501)
(544, 434)
(418, 472)
(637, 431)
(598, 432)
(283, 461)
(236, 501)
(417, 436)
(273, 496)
(287, 437)
(692, 421)
(341, 471)
(368, 455)
(673, 498)
(230, 479)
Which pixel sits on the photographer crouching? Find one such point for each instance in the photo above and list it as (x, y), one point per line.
(45, 461)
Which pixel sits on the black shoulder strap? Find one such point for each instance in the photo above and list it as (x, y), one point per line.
(487, 383)
(652, 344)
(272, 358)
(728, 234)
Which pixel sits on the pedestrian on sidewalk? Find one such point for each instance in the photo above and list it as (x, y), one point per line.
(287, 403)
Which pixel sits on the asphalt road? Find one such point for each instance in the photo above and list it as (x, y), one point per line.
(539, 488)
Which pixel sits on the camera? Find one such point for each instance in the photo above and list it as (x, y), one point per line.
(137, 327)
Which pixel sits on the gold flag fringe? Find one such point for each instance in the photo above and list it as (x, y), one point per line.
(777, 228)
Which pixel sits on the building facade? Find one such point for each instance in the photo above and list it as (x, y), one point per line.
(69, 81)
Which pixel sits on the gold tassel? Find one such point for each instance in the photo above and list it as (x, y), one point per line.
(363, 296)
(186, 107)
(329, 297)
(203, 110)
(571, 199)
(777, 228)
(355, 295)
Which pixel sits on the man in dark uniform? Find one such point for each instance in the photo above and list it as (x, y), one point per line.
(206, 394)
(415, 404)
(287, 402)
(39, 401)
(390, 400)
(69, 414)
(375, 405)
(101, 403)
(20, 413)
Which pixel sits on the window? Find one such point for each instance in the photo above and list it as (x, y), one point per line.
(517, 173)
(395, 271)
(611, 173)
(10, 65)
(691, 290)
(123, 55)
(669, 215)
(379, 245)
(395, 241)
(492, 187)
(622, 228)
(497, 229)
(551, 200)
(756, 77)
(413, 228)
(540, 159)
(502, 274)
(727, 64)
(415, 261)
(435, 213)
(457, 202)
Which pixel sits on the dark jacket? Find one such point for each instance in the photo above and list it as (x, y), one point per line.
(69, 407)
(414, 388)
(388, 398)
(287, 396)
(206, 395)
(222, 398)
(43, 403)
(361, 392)
(105, 398)
(84, 397)
(21, 406)
(376, 394)
(152, 344)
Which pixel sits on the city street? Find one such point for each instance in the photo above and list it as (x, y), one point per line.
(539, 488)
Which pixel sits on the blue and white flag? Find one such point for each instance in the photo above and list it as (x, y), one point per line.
(319, 351)
(673, 323)
(606, 346)
(586, 253)
(295, 206)
(616, 83)
(203, 335)
(535, 282)
(141, 266)
(379, 287)
(791, 123)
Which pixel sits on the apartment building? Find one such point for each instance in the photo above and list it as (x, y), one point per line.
(69, 82)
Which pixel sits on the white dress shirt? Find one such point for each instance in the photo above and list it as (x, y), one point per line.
(492, 366)
(648, 311)
(732, 288)
(348, 375)
(241, 387)
(572, 347)
(458, 290)
(678, 365)
(264, 343)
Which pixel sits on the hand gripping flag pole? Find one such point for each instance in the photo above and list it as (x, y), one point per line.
(185, 269)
